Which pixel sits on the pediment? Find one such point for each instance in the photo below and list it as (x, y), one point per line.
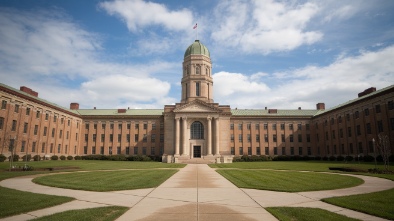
(196, 107)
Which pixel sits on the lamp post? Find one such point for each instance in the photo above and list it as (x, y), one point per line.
(374, 150)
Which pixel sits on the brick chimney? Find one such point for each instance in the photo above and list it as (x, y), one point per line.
(29, 91)
(320, 106)
(121, 111)
(367, 91)
(272, 111)
(74, 106)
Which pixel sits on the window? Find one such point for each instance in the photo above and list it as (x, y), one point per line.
(231, 126)
(55, 118)
(258, 152)
(274, 138)
(111, 126)
(257, 126)
(391, 123)
(153, 138)
(62, 120)
(232, 137)
(360, 147)
(135, 150)
(248, 137)
(266, 137)
(145, 126)
(197, 130)
(128, 126)
(13, 128)
(136, 126)
(87, 126)
(308, 138)
(377, 108)
(380, 126)
(300, 151)
(358, 128)
(128, 137)
(65, 151)
(161, 138)
(239, 126)
(25, 127)
(59, 147)
(241, 151)
(35, 129)
(16, 110)
(33, 147)
(93, 150)
(341, 133)
(68, 123)
(351, 148)
(299, 138)
(356, 114)
(267, 151)
(3, 104)
(257, 137)
(333, 134)
(307, 127)
(135, 137)
(283, 150)
(60, 133)
(94, 137)
(118, 150)
(143, 150)
(283, 138)
(46, 116)
(38, 114)
(240, 137)
(95, 126)
(248, 126)
(145, 138)
(111, 138)
(348, 117)
(390, 105)
(332, 121)
(102, 137)
(152, 151)
(290, 126)
(366, 112)
(197, 69)
(43, 148)
(161, 125)
(153, 126)
(273, 126)
(197, 89)
(335, 149)
(291, 150)
(291, 138)
(86, 137)
(23, 146)
(349, 131)
(265, 126)
(119, 138)
(249, 150)
(282, 126)
(1, 122)
(110, 150)
(120, 126)
(309, 149)
(299, 126)
(45, 131)
(28, 112)
(101, 150)
(340, 119)
(275, 151)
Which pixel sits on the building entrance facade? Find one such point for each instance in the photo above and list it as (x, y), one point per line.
(197, 152)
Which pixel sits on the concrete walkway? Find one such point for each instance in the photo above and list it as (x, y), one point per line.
(196, 192)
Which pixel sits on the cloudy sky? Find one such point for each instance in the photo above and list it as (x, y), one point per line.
(265, 53)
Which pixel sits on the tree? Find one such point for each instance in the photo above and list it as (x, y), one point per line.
(384, 149)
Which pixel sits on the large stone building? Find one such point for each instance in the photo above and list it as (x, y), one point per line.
(197, 127)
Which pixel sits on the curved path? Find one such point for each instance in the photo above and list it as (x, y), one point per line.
(196, 192)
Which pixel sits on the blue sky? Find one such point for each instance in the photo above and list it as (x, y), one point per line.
(119, 54)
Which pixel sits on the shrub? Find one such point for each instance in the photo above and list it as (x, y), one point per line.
(325, 158)
(349, 158)
(368, 158)
(306, 158)
(332, 158)
(54, 157)
(318, 158)
(28, 157)
(37, 158)
(70, 157)
(78, 158)
(379, 158)
(237, 159)
(2, 158)
(62, 157)
(145, 158)
(27, 168)
(15, 158)
(281, 158)
(340, 158)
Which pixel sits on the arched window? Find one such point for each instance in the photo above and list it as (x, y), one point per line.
(197, 130)
(198, 70)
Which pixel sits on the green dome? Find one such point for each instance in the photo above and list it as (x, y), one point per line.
(197, 48)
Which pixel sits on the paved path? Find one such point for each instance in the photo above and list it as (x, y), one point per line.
(196, 192)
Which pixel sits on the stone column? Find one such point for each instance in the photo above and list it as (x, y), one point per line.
(177, 137)
(209, 140)
(216, 143)
(184, 135)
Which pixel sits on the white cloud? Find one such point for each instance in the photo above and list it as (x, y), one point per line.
(265, 26)
(332, 84)
(137, 14)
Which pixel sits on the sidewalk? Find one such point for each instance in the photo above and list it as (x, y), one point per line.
(196, 192)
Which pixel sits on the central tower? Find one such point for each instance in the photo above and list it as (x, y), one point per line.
(197, 81)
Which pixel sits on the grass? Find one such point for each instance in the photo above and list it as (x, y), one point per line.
(288, 181)
(107, 180)
(95, 214)
(305, 214)
(14, 202)
(378, 204)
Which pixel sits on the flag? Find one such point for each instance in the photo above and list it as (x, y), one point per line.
(195, 26)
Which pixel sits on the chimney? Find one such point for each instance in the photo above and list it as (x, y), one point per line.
(29, 91)
(121, 111)
(320, 106)
(299, 108)
(272, 111)
(367, 91)
(74, 106)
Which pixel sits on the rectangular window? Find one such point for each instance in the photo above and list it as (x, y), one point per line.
(33, 147)
(16, 110)
(265, 126)
(110, 150)
(3, 104)
(94, 137)
(349, 131)
(25, 127)
(282, 126)
(341, 133)
(68, 123)
(60, 133)
(46, 116)
(145, 126)
(392, 123)
(249, 151)
(299, 126)
(343, 148)
(239, 126)
(53, 132)
(13, 128)
(232, 150)
(55, 118)
(65, 151)
(274, 138)
(102, 137)
(366, 112)
(28, 111)
(87, 126)
(257, 137)
(292, 151)
(275, 151)
(59, 147)
(93, 150)
(137, 126)
(1, 122)
(273, 126)
(232, 137)
(128, 126)
(51, 150)
(290, 126)
(248, 126)
(95, 126)
(35, 129)
(348, 117)
(101, 150)
(135, 137)
(356, 115)
(291, 138)
(38, 114)
(300, 151)
(45, 131)
(153, 138)
(380, 126)
(111, 126)
(120, 126)
(135, 150)
(257, 126)
(145, 138)
(267, 151)
(118, 150)
(283, 150)
(153, 126)
(333, 134)
(377, 108)
(128, 137)
(111, 138)
(76, 136)
(119, 138)
(307, 127)
(61, 120)
(143, 150)
(43, 148)
(351, 148)
(86, 137)
(370, 145)
(283, 138)
(309, 151)
(360, 147)
(23, 146)
(152, 151)
(241, 151)
(308, 138)
(161, 138)
(248, 137)
(258, 152)
(240, 137)
(265, 137)
(358, 128)
(231, 126)
(299, 138)
(197, 89)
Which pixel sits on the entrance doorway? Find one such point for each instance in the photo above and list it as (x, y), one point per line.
(197, 152)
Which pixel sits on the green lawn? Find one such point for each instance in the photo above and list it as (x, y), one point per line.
(14, 202)
(107, 180)
(379, 203)
(305, 214)
(288, 181)
(95, 214)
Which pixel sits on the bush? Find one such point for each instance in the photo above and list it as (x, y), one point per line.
(37, 158)
(325, 158)
(70, 157)
(28, 157)
(2, 158)
(237, 159)
(62, 157)
(332, 158)
(15, 158)
(54, 157)
(379, 158)
(318, 158)
(368, 158)
(349, 158)
(340, 158)
(77, 158)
